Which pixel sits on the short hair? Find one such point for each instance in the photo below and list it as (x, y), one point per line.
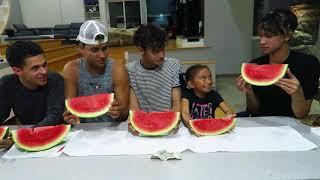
(193, 70)
(17, 52)
(279, 22)
(150, 36)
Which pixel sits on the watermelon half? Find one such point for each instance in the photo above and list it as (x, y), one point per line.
(211, 127)
(4, 131)
(263, 75)
(90, 106)
(154, 123)
(39, 138)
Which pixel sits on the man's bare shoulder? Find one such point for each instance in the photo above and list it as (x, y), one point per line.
(72, 67)
(119, 66)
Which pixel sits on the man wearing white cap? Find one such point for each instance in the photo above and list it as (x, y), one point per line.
(95, 73)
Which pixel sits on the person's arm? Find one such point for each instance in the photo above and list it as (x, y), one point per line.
(176, 90)
(5, 107)
(185, 113)
(251, 100)
(55, 102)
(134, 103)
(226, 108)
(176, 99)
(299, 104)
(134, 106)
(6, 143)
(119, 108)
(70, 76)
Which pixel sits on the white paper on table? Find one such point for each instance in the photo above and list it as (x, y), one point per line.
(14, 153)
(149, 145)
(99, 142)
(282, 138)
(107, 142)
(316, 130)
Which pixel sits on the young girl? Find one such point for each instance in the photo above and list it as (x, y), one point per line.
(199, 100)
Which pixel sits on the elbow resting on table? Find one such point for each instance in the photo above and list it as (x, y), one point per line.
(300, 115)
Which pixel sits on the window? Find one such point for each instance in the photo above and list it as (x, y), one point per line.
(306, 12)
(91, 9)
(124, 13)
(162, 13)
(180, 17)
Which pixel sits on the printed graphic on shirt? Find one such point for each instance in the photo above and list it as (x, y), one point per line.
(201, 110)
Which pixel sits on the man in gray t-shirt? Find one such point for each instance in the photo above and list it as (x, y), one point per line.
(154, 80)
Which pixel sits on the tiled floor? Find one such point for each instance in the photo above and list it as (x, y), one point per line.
(228, 90)
(226, 87)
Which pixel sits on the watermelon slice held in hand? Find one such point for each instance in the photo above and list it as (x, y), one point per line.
(263, 75)
(212, 126)
(154, 123)
(39, 138)
(4, 131)
(90, 106)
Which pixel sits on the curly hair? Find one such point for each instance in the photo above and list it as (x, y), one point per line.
(20, 50)
(279, 22)
(150, 36)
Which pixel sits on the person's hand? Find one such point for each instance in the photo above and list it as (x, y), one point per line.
(131, 130)
(176, 129)
(290, 85)
(229, 116)
(70, 118)
(188, 125)
(242, 85)
(194, 133)
(6, 143)
(115, 110)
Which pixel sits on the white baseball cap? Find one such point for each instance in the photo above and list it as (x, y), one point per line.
(89, 30)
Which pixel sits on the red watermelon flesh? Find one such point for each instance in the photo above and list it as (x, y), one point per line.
(154, 123)
(263, 75)
(40, 138)
(90, 106)
(3, 132)
(212, 126)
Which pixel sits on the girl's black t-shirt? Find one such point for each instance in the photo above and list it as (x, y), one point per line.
(200, 108)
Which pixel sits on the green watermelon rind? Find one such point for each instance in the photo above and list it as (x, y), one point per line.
(262, 83)
(91, 114)
(5, 132)
(162, 132)
(222, 131)
(43, 147)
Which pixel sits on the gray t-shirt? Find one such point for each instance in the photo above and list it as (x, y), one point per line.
(153, 88)
(95, 84)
